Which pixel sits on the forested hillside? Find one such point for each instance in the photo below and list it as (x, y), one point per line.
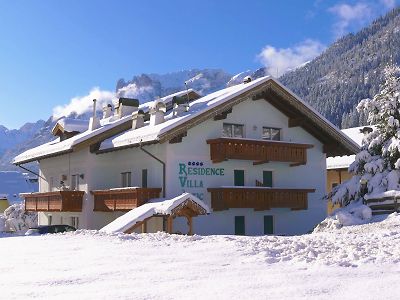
(348, 71)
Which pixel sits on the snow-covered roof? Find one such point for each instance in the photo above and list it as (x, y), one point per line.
(116, 134)
(59, 147)
(206, 107)
(153, 207)
(109, 126)
(70, 125)
(343, 162)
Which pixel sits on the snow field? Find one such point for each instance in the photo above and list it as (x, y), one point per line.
(355, 262)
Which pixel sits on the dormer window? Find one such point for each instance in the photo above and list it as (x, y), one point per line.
(233, 130)
(270, 133)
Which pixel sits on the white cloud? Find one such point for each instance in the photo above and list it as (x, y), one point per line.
(280, 60)
(350, 15)
(83, 104)
(132, 90)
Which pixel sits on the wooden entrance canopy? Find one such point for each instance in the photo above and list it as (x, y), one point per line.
(185, 205)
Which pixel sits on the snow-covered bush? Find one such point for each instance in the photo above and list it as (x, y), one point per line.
(15, 218)
(354, 214)
(378, 162)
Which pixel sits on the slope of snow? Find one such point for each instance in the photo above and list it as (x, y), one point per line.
(355, 262)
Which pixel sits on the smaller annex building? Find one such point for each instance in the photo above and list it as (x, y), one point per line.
(252, 157)
(337, 166)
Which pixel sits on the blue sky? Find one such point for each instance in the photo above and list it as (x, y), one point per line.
(52, 51)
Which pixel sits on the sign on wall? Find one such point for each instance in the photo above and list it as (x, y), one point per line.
(193, 175)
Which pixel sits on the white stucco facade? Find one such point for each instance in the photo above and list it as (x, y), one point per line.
(103, 171)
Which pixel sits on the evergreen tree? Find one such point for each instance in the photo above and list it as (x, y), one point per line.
(377, 165)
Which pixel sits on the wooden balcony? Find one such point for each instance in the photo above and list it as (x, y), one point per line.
(70, 201)
(123, 199)
(259, 151)
(258, 198)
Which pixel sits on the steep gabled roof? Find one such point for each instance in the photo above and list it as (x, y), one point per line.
(117, 135)
(221, 102)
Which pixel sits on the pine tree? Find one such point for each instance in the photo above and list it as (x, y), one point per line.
(377, 165)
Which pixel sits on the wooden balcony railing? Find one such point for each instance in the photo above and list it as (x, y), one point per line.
(259, 151)
(123, 199)
(70, 201)
(258, 198)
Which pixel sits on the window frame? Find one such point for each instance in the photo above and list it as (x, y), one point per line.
(272, 178)
(232, 125)
(74, 182)
(126, 181)
(74, 221)
(270, 133)
(145, 178)
(272, 224)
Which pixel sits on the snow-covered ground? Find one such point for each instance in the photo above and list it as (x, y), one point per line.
(354, 262)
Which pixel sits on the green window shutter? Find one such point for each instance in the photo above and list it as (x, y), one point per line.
(239, 177)
(267, 178)
(239, 225)
(268, 224)
(144, 178)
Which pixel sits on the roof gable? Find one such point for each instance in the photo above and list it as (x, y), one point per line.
(217, 105)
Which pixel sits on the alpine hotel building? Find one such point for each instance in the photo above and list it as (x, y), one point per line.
(252, 158)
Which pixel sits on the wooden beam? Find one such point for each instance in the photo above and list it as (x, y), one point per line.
(297, 164)
(169, 224)
(222, 116)
(178, 138)
(260, 162)
(261, 96)
(295, 122)
(94, 147)
(137, 225)
(144, 226)
(190, 221)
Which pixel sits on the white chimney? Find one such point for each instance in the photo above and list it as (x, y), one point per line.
(107, 110)
(94, 122)
(157, 112)
(138, 119)
(180, 105)
(247, 79)
(126, 106)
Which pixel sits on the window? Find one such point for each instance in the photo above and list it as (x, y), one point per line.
(267, 178)
(268, 224)
(238, 177)
(126, 178)
(74, 182)
(75, 222)
(233, 130)
(239, 225)
(144, 178)
(270, 133)
(50, 219)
